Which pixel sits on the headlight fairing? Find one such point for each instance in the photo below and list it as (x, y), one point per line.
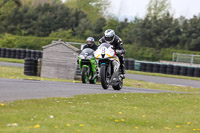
(89, 57)
(82, 56)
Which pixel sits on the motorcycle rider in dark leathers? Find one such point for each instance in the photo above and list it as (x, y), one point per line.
(111, 38)
(90, 44)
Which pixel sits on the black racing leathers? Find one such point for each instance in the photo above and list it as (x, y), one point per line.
(118, 45)
(94, 47)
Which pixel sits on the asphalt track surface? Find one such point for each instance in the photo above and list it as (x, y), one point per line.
(11, 64)
(155, 79)
(14, 89)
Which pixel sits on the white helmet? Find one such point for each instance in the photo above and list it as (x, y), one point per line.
(109, 35)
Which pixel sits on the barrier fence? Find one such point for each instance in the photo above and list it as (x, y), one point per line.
(186, 58)
(156, 67)
(20, 53)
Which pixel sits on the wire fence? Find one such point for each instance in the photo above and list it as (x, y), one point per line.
(186, 58)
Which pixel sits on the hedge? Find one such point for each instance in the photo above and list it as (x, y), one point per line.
(152, 54)
(28, 42)
(132, 51)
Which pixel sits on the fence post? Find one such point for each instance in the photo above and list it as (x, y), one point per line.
(173, 57)
(177, 57)
(192, 60)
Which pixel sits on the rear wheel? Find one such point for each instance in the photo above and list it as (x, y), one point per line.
(84, 75)
(104, 79)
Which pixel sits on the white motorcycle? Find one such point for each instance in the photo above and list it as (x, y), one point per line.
(109, 67)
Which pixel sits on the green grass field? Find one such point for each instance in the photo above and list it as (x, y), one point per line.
(105, 113)
(162, 75)
(18, 73)
(12, 60)
(151, 85)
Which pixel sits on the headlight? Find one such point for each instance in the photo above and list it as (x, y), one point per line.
(89, 57)
(82, 56)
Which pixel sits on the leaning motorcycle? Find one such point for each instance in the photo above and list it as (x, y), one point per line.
(109, 67)
(88, 66)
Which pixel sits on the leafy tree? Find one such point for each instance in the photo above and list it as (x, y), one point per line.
(8, 12)
(63, 34)
(112, 23)
(84, 29)
(36, 3)
(44, 19)
(190, 34)
(130, 34)
(156, 33)
(98, 27)
(93, 8)
(158, 8)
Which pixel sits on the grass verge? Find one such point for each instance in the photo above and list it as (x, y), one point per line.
(18, 73)
(162, 75)
(151, 85)
(12, 60)
(111, 113)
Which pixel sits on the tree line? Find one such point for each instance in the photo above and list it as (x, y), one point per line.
(70, 20)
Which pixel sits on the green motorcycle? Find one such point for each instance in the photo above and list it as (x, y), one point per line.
(88, 66)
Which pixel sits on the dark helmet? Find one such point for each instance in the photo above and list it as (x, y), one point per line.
(90, 41)
(109, 35)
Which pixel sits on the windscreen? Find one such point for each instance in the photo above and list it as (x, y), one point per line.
(105, 45)
(87, 51)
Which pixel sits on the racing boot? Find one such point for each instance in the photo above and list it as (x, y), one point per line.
(123, 71)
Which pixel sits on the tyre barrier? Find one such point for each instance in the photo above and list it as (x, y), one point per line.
(183, 71)
(20, 53)
(176, 70)
(163, 68)
(33, 54)
(30, 66)
(170, 69)
(23, 54)
(13, 53)
(8, 53)
(190, 71)
(38, 54)
(3, 52)
(156, 68)
(149, 67)
(131, 64)
(126, 64)
(143, 67)
(28, 53)
(197, 72)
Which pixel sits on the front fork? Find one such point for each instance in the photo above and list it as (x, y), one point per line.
(108, 70)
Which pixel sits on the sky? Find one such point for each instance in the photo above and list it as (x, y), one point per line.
(132, 8)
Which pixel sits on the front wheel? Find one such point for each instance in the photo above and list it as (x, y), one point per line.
(84, 75)
(119, 86)
(104, 78)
